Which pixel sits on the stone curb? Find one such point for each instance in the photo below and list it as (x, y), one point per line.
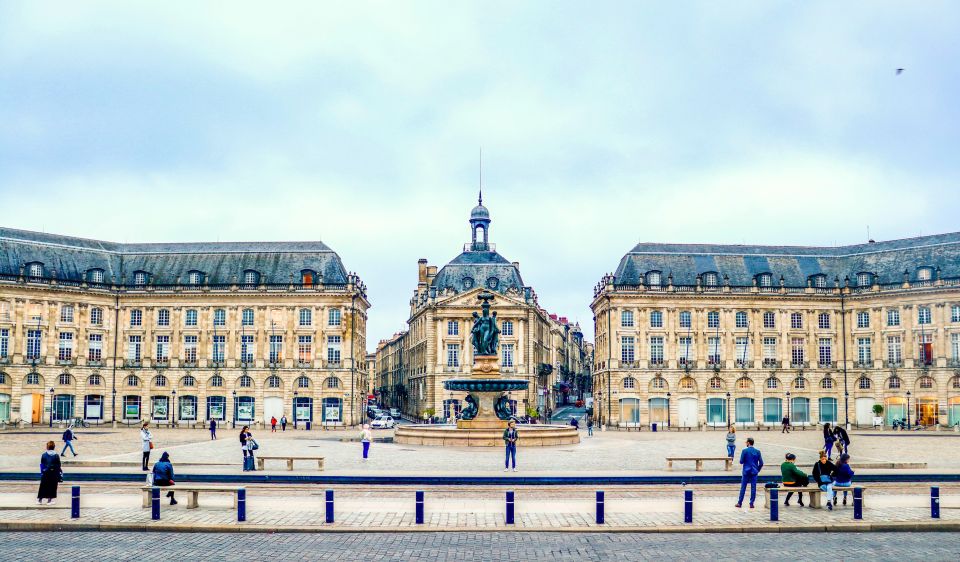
(894, 526)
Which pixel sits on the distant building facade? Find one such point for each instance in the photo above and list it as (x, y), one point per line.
(178, 332)
(693, 335)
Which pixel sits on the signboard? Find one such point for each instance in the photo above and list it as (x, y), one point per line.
(94, 411)
(245, 411)
(216, 411)
(303, 413)
(131, 411)
(160, 409)
(188, 410)
(332, 413)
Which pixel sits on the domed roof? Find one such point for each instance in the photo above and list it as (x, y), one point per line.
(479, 269)
(480, 212)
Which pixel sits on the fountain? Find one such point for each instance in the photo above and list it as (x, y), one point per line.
(482, 422)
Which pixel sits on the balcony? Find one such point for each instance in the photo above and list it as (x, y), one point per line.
(162, 362)
(304, 364)
(657, 363)
(446, 369)
(66, 361)
(334, 364)
(862, 364)
(132, 363)
(275, 364)
(5, 360)
(799, 364)
(827, 364)
(189, 364)
(629, 365)
(893, 363)
(744, 363)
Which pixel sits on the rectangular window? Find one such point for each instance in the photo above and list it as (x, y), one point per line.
(713, 319)
(685, 319)
(4, 343)
(507, 328)
(743, 350)
(955, 346)
(333, 350)
(656, 319)
(304, 349)
(923, 315)
(740, 320)
(894, 350)
(333, 318)
(136, 318)
(190, 349)
(769, 351)
(797, 351)
(219, 343)
(66, 313)
(34, 338)
(863, 319)
(163, 349)
(796, 321)
(246, 317)
(893, 317)
(656, 350)
(95, 347)
(825, 352)
(453, 355)
(769, 320)
(246, 349)
(864, 351)
(65, 351)
(926, 349)
(508, 355)
(453, 328)
(627, 351)
(823, 321)
(626, 318)
(713, 350)
(191, 318)
(955, 313)
(163, 317)
(685, 350)
(306, 317)
(96, 316)
(276, 349)
(219, 317)
(134, 351)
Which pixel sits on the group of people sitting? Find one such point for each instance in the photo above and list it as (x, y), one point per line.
(825, 474)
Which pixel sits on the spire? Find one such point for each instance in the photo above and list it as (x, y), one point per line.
(480, 196)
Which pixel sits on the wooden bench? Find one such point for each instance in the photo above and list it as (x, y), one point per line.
(193, 493)
(816, 494)
(728, 462)
(289, 459)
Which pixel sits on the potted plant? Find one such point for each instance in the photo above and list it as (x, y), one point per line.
(878, 415)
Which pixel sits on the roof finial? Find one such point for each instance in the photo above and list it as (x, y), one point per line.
(480, 196)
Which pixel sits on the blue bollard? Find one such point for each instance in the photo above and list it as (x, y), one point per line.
(688, 506)
(75, 503)
(155, 503)
(935, 502)
(600, 507)
(329, 506)
(419, 507)
(774, 504)
(241, 504)
(858, 503)
(509, 508)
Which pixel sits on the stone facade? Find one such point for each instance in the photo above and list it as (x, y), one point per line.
(679, 340)
(198, 331)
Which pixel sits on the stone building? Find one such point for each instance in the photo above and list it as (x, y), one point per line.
(692, 335)
(187, 332)
(413, 365)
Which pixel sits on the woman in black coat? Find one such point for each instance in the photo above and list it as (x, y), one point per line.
(50, 474)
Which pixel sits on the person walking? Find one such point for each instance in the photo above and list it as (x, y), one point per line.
(510, 438)
(163, 474)
(146, 440)
(752, 462)
(786, 424)
(50, 474)
(828, 439)
(589, 426)
(793, 477)
(843, 439)
(823, 471)
(244, 435)
(843, 476)
(213, 429)
(366, 436)
(273, 424)
(731, 441)
(283, 422)
(68, 437)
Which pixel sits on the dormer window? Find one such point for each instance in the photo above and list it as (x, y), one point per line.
(819, 281)
(140, 278)
(493, 283)
(468, 282)
(710, 279)
(653, 278)
(308, 276)
(765, 280)
(864, 279)
(250, 278)
(35, 269)
(95, 276)
(924, 274)
(194, 277)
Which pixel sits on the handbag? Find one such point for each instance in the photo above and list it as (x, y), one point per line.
(151, 445)
(255, 445)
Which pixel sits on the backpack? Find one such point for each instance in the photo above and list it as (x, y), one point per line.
(255, 445)
(67, 435)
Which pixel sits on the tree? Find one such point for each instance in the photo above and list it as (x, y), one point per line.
(878, 409)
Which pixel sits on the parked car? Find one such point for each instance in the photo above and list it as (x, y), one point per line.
(383, 422)
(374, 413)
(395, 413)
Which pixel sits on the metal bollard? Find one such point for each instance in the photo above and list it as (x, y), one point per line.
(329, 506)
(510, 508)
(75, 503)
(419, 507)
(600, 502)
(155, 503)
(688, 506)
(241, 504)
(858, 503)
(935, 502)
(774, 504)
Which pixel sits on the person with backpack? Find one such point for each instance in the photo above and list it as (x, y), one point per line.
(68, 437)
(146, 440)
(245, 438)
(50, 474)
(752, 462)
(828, 439)
(273, 424)
(823, 471)
(163, 474)
(283, 422)
(793, 477)
(589, 426)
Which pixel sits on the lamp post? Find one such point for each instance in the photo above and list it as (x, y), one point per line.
(173, 420)
(234, 422)
(729, 422)
(51, 407)
(789, 406)
(113, 408)
(295, 394)
(668, 410)
(908, 409)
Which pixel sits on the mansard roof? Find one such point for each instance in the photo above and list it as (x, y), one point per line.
(220, 262)
(477, 269)
(885, 261)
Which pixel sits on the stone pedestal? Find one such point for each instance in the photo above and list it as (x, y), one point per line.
(485, 367)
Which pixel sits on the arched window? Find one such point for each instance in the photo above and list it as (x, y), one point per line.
(658, 383)
(216, 381)
(32, 379)
(194, 277)
(159, 380)
(629, 383)
(140, 278)
(773, 383)
(799, 383)
(132, 380)
(769, 320)
(303, 382)
(94, 380)
(955, 382)
(741, 319)
(925, 383)
(823, 320)
(826, 383)
(333, 382)
(863, 383)
(35, 270)
(273, 381)
(687, 383)
(65, 379)
(894, 382)
(744, 383)
(653, 278)
(188, 380)
(245, 382)
(715, 383)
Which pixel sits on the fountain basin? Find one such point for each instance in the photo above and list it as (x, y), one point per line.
(486, 385)
(531, 435)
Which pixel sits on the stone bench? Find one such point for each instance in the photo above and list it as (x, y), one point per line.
(816, 494)
(728, 462)
(289, 459)
(193, 493)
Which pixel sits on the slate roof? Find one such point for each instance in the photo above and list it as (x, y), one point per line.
(742, 263)
(480, 267)
(221, 262)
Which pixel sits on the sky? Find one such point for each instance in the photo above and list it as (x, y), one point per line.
(602, 124)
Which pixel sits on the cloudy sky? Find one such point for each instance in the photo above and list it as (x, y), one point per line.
(602, 124)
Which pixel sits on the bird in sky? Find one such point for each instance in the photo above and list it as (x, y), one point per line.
(899, 71)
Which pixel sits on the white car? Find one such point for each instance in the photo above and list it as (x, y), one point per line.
(383, 422)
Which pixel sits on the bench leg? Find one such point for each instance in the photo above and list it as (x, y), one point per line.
(289, 464)
(236, 496)
(146, 499)
(729, 464)
(815, 501)
(320, 464)
(669, 465)
(192, 499)
(259, 463)
(699, 465)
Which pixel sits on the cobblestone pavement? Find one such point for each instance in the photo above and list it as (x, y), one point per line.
(442, 547)
(610, 452)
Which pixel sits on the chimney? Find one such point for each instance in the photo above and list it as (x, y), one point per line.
(516, 264)
(422, 270)
(431, 273)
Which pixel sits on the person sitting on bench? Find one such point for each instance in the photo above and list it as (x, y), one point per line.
(793, 477)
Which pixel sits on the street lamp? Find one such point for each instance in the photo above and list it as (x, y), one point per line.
(295, 394)
(668, 410)
(113, 406)
(234, 422)
(173, 420)
(908, 409)
(789, 407)
(729, 423)
(51, 407)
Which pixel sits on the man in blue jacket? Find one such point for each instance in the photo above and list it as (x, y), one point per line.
(752, 462)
